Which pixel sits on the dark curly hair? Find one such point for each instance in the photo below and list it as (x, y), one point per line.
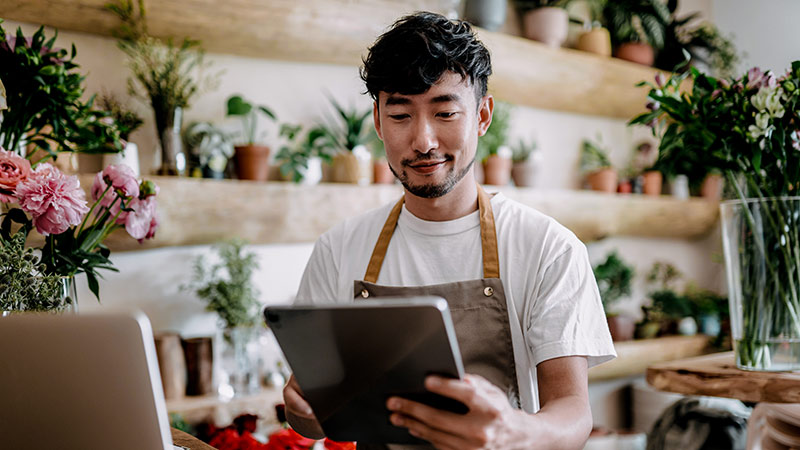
(412, 56)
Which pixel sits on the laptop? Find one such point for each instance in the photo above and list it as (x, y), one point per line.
(348, 359)
(82, 382)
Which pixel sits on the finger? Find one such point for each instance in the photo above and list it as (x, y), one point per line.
(295, 402)
(440, 439)
(437, 418)
(461, 390)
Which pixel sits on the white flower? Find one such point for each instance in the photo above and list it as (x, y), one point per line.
(774, 103)
(762, 120)
(759, 100)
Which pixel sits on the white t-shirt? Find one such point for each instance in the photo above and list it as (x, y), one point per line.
(553, 303)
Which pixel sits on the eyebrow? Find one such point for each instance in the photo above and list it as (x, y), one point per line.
(444, 98)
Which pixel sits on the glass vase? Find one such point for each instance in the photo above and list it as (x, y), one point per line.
(168, 126)
(69, 295)
(761, 242)
(240, 362)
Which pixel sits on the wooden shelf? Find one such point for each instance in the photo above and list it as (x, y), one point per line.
(634, 357)
(717, 375)
(339, 32)
(195, 211)
(213, 409)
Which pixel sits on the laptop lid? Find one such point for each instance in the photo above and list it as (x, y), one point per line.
(82, 382)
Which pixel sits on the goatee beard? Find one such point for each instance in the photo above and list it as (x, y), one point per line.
(434, 190)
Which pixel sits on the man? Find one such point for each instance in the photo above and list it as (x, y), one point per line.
(520, 287)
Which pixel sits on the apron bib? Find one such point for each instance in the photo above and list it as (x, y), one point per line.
(478, 308)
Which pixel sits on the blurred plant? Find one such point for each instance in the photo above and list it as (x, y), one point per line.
(663, 275)
(636, 21)
(294, 155)
(24, 283)
(523, 150)
(497, 134)
(593, 156)
(614, 279)
(248, 113)
(127, 121)
(527, 5)
(227, 285)
(209, 145)
(353, 129)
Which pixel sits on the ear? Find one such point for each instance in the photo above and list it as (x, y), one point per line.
(376, 118)
(485, 114)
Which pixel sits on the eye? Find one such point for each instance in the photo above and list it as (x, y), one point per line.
(398, 116)
(446, 115)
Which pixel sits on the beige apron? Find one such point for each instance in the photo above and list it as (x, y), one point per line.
(478, 308)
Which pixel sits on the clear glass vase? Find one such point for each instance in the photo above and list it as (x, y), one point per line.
(69, 295)
(168, 126)
(240, 362)
(761, 241)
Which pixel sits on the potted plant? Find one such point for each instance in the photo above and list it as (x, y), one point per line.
(348, 140)
(127, 122)
(210, 148)
(747, 128)
(252, 160)
(492, 146)
(227, 288)
(636, 28)
(525, 156)
(596, 167)
(595, 38)
(614, 279)
(545, 21)
(166, 75)
(300, 158)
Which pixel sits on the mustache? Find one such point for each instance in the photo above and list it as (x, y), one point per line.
(425, 157)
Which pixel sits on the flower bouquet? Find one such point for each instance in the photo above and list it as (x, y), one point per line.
(747, 128)
(41, 197)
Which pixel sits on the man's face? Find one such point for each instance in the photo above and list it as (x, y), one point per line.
(431, 138)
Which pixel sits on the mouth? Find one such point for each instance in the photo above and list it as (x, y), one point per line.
(427, 166)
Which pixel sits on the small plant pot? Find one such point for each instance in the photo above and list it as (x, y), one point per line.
(348, 167)
(711, 189)
(624, 186)
(497, 170)
(621, 327)
(548, 25)
(652, 181)
(252, 162)
(381, 173)
(597, 41)
(603, 180)
(637, 52)
(523, 174)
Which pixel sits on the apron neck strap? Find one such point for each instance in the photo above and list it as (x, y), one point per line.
(491, 260)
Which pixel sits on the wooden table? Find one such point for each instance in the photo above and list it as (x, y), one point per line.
(716, 375)
(189, 441)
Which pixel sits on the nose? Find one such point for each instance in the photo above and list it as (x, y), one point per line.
(424, 139)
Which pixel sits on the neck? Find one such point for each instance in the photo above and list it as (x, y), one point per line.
(459, 202)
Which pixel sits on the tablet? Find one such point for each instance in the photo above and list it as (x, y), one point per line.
(349, 359)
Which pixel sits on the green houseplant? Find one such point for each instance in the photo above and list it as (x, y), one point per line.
(252, 160)
(166, 75)
(614, 279)
(596, 167)
(492, 150)
(348, 135)
(210, 148)
(301, 157)
(636, 28)
(524, 156)
(747, 128)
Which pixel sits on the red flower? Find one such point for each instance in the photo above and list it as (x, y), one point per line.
(227, 439)
(288, 439)
(335, 445)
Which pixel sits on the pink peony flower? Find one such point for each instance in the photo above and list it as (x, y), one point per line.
(138, 223)
(54, 200)
(122, 178)
(13, 170)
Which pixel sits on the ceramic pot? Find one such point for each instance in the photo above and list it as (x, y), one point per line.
(652, 180)
(621, 327)
(711, 188)
(497, 170)
(548, 25)
(597, 41)
(352, 167)
(128, 156)
(603, 180)
(523, 174)
(252, 162)
(489, 14)
(637, 52)
(381, 173)
(679, 187)
(312, 174)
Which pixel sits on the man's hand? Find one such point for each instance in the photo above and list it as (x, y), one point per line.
(490, 423)
(299, 413)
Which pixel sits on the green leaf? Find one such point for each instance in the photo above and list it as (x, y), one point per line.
(267, 112)
(94, 286)
(237, 106)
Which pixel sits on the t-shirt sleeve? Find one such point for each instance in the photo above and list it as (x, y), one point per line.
(566, 317)
(318, 284)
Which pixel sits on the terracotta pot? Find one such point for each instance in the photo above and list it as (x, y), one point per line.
(624, 186)
(497, 170)
(381, 173)
(548, 25)
(637, 52)
(252, 162)
(348, 168)
(604, 180)
(621, 327)
(597, 41)
(652, 182)
(523, 174)
(711, 188)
